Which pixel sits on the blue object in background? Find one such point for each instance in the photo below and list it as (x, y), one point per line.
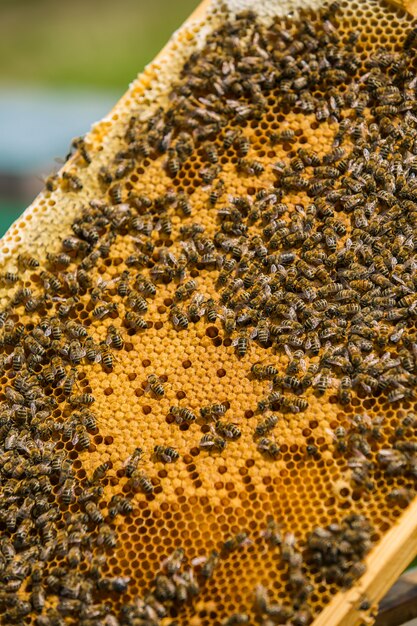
(36, 129)
(36, 124)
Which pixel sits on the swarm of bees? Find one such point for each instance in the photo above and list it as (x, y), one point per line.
(324, 288)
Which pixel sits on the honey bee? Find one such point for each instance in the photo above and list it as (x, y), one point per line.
(266, 425)
(211, 441)
(94, 513)
(114, 338)
(100, 472)
(166, 454)
(242, 342)
(211, 154)
(344, 393)
(173, 163)
(70, 381)
(106, 355)
(209, 565)
(216, 193)
(410, 39)
(67, 494)
(184, 291)
(71, 182)
(103, 310)
(104, 176)
(134, 321)
(268, 447)
(227, 430)
(145, 286)
(182, 414)
(155, 385)
(82, 399)
(213, 411)
(81, 437)
(119, 504)
(80, 145)
(92, 351)
(139, 481)
(178, 317)
(25, 261)
(18, 358)
(263, 372)
(274, 398)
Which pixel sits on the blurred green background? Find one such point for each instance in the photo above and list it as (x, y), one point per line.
(62, 67)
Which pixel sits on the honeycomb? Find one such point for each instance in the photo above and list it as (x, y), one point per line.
(208, 342)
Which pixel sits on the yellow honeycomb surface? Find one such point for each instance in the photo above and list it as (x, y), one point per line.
(208, 342)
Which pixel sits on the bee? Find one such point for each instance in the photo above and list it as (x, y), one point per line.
(103, 310)
(88, 419)
(155, 385)
(82, 399)
(182, 414)
(134, 321)
(106, 355)
(106, 536)
(185, 290)
(18, 359)
(89, 262)
(94, 512)
(230, 137)
(178, 317)
(92, 351)
(344, 393)
(216, 193)
(401, 494)
(410, 39)
(166, 454)
(25, 261)
(340, 437)
(119, 504)
(79, 143)
(67, 493)
(242, 144)
(209, 565)
(173, 163)
(184, 205)
(211, 154)
(70, 380)
(213, 410)
(266, 425)
(229, 320)
(274, 398)
(104, 176)
(139, 481)
(100, 472)
(323, 381)
(227, 430)
(268, 447)
(133, 461)
(242, 343)
(71, 182)
(114, 338)
(51, 182)
(263, 372)
(116, 194)
(81, 437)
(145, 286)
(196, 309)
(212, 442)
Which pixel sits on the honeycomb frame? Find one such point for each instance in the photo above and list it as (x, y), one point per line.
(41, 227)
